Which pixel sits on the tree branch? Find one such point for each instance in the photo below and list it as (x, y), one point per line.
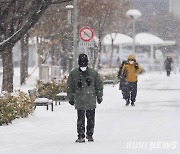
(32, 18)
(60, 1)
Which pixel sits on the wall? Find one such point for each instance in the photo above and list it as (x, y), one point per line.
(174, 7)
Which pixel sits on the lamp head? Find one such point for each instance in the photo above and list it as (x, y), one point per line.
(134, 14)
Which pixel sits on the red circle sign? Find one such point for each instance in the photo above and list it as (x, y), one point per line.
(86, 34)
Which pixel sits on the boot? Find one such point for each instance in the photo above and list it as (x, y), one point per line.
(90, 138)
(80, 140)
(132, 104)
(127, 102)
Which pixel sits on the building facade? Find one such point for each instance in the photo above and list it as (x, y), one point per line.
(174, 7)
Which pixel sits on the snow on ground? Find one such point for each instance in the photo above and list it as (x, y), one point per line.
(153, 122)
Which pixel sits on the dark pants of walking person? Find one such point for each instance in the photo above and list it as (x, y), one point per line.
(122, 86)
(168, 71)
(90, 115)
(131, 91)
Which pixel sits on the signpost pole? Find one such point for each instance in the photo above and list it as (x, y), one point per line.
(75, 35)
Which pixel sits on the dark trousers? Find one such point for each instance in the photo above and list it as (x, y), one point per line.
(131, 91)
(168, 72)
(90, 115)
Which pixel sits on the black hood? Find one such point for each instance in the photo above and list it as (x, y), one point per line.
(83, 60)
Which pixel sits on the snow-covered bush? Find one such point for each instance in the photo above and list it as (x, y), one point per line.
(109, 74)
(52, 88)
(109, 77)
(14, 105)
(25, 104)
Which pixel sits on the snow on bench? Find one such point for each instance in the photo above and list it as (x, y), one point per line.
(60, 96)
(40, 101)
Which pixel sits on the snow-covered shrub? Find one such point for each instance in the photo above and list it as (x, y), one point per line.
(109, 75)
(25, 105)
(14, 105)
(7, 109)
(52, 88)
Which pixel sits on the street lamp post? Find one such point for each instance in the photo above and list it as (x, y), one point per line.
(75, 14)
(134, 15)
(69, 31)
(69, 16)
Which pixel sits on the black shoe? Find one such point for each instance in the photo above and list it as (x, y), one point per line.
(127, 102)
(132, 104)
(80, 140)
(90, 138)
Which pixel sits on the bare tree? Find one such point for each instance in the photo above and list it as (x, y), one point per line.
(103, 16)
(53, 26)
(16, 18)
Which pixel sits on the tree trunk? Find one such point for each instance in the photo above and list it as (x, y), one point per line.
(111, 56)
(54, 55)
(24, 59)
(99, 55)
(7, 60)
(95, 57)
(40, 58)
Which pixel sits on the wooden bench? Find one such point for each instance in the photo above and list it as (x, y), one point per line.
(38, 101)
(60, 96)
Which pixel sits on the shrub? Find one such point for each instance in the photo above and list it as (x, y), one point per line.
(109, 74)
(15, 105)
(25, 105)
(51, 89)
(109, 77)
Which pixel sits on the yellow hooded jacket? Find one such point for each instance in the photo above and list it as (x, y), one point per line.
(132, 69)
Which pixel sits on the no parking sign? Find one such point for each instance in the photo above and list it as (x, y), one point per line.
(86, 34)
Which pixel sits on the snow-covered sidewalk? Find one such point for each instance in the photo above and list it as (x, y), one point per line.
(152, 123)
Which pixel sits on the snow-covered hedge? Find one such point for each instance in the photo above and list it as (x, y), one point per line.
(14, 105)
(109, 78)
(109, 75)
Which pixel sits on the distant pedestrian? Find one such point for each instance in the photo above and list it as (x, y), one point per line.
(131, 69)
(167, 63)
(84, 87)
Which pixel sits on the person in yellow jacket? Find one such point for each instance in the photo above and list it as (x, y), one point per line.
(131, 70)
